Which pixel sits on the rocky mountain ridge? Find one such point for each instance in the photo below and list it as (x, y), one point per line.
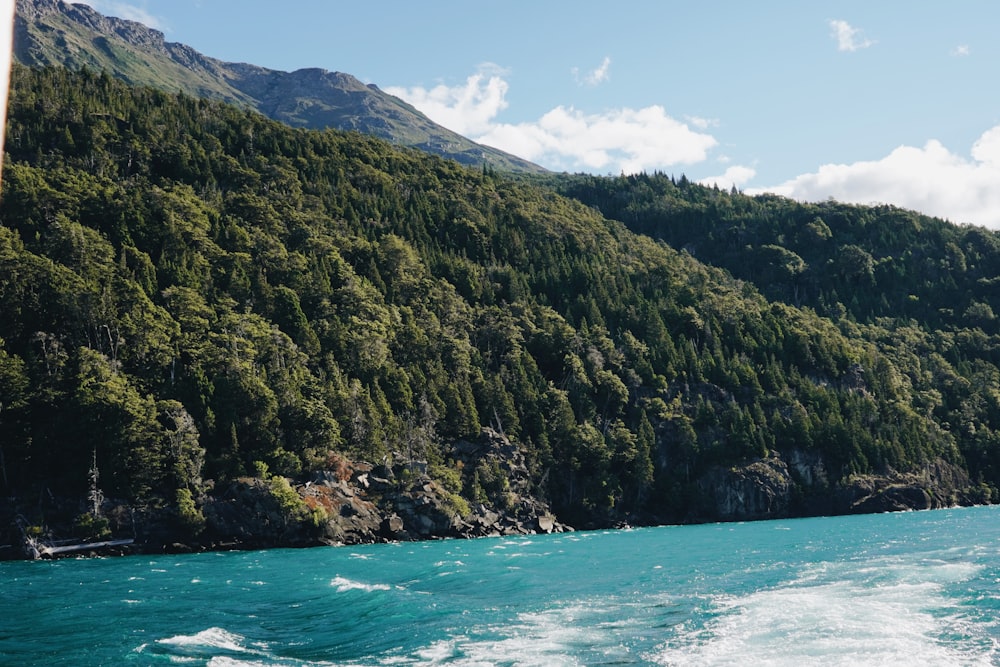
(55, 33)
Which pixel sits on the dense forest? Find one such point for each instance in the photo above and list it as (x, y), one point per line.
(193, 294)
(922, 288)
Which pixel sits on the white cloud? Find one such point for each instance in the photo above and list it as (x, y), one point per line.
(737, 175)
(564, 138)
(961, 50)
(619, 140)
(468, 108)
(932, 180)
(848, 37)
(125, 10)
(702, 123)
(596, 77)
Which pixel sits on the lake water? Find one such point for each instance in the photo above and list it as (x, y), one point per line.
(919, 588)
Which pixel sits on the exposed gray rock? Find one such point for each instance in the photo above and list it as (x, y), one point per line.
(545, 524)
(392, 528)
(939, 484)
(759, 490)
(770, 488)
(496, 469)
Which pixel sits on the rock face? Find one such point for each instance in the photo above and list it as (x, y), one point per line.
(350, 503)
(360, 503)
(759, 490)
(939, 485)
(772, 488)
(418, 507)
(356, 502)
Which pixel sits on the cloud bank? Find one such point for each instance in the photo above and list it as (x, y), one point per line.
(468, 109)
(737, 175)
(619, 140)
(931, 179)
(614, 141)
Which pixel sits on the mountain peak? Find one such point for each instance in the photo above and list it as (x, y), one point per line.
(32, 8)
(132, 32)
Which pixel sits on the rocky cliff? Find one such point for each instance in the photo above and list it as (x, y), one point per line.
(797, 485)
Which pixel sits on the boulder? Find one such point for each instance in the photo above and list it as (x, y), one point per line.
(545, 524)
(392, 528)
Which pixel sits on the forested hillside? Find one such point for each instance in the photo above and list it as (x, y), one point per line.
(923, 288)
(193, 294)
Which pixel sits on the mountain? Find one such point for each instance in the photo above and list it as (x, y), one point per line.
(51, 32)
(216, 327)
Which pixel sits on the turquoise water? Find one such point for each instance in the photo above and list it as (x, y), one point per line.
(920, 588)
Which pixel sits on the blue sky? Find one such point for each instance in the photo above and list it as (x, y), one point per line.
(869, 102)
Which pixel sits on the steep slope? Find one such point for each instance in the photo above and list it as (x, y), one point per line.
(51, 32)
(195, 295)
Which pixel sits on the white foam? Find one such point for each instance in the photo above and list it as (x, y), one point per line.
(343, 584)
(556, 637)
(223, 661)
(896, 620)
(210, 638)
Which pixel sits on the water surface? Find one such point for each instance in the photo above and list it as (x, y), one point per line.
(918, 588)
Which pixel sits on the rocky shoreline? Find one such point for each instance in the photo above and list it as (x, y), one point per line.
(359, 503)
(350, 503)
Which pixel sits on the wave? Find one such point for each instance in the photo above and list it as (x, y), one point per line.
(217, 638)
(342, 584)
(218, 647)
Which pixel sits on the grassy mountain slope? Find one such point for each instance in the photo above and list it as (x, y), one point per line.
(51, 32)
(192, 293)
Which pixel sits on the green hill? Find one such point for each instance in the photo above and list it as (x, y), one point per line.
(193, 294)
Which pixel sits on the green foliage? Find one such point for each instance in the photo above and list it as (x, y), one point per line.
(292, 509)
(91, 527)
(448, 477)
(191, 518)
(457, 505)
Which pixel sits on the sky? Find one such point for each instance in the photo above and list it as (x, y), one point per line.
(893, 101)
